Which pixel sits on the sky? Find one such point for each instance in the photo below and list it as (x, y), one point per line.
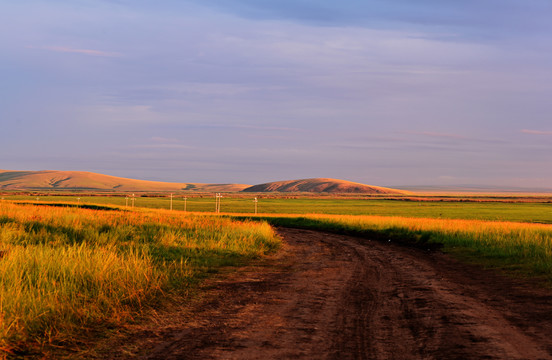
(383, 92)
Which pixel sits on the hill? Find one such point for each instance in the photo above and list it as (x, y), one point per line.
(322, 185)
(81, 180)
(88, 181)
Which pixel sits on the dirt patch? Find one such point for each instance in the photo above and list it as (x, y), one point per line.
(327, 296)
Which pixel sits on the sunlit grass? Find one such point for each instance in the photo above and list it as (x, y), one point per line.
(477, 210)
(65, 270)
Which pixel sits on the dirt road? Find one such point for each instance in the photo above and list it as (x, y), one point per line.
(336, 297)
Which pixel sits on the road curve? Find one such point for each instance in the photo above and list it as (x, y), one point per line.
(327, 296)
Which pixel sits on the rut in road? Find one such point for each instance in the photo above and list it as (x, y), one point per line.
(399, 305)
(327, 296)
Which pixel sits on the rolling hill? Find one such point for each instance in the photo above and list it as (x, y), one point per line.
(81, 180)
(88, 181)
(322, 185)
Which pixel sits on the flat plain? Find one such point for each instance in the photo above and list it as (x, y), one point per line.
(533, 209)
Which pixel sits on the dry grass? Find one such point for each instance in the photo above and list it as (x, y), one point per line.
(64, 271)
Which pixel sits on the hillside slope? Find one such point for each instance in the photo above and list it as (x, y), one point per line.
(322, 185)
(81, 180)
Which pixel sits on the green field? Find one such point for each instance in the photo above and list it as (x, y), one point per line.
(496, 211)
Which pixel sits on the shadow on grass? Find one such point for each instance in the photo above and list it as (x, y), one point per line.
(80, 206)
(418, 239)
(514, 263)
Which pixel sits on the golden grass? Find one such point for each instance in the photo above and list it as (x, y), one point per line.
(66, 270)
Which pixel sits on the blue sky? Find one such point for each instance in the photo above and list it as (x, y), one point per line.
(384, 92)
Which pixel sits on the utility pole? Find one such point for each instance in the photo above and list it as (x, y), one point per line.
(171, 200)
(126, 201)
(185, 198)
(133, 198)
(217, 202)
(256, 201)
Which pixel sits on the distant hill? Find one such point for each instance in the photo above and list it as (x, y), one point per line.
(81, 180)
(88, 181)
(321, 185)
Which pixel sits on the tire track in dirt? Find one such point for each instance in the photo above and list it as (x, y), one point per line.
(416, 312)
(327, 296)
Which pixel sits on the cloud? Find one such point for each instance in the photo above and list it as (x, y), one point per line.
(164, 146)
(160, 139)
(252, 127)
(110, 115)
(159, 142)
(488, 19)
(89, 52)
(536, 132)
(437, 135)
(451, 136)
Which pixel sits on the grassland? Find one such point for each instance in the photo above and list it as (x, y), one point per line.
(94, 261)
(68, 271)
(527, 211)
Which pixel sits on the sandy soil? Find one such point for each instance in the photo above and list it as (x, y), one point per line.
(336, 297)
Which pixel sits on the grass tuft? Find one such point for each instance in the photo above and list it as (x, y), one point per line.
(64, 271)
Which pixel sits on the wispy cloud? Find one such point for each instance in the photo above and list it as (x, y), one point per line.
(159, 142)
(437, 135)
(159, 139)
(64, 49)
(536, 132)
(164, 146)
(251, 127)
(451, 136)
